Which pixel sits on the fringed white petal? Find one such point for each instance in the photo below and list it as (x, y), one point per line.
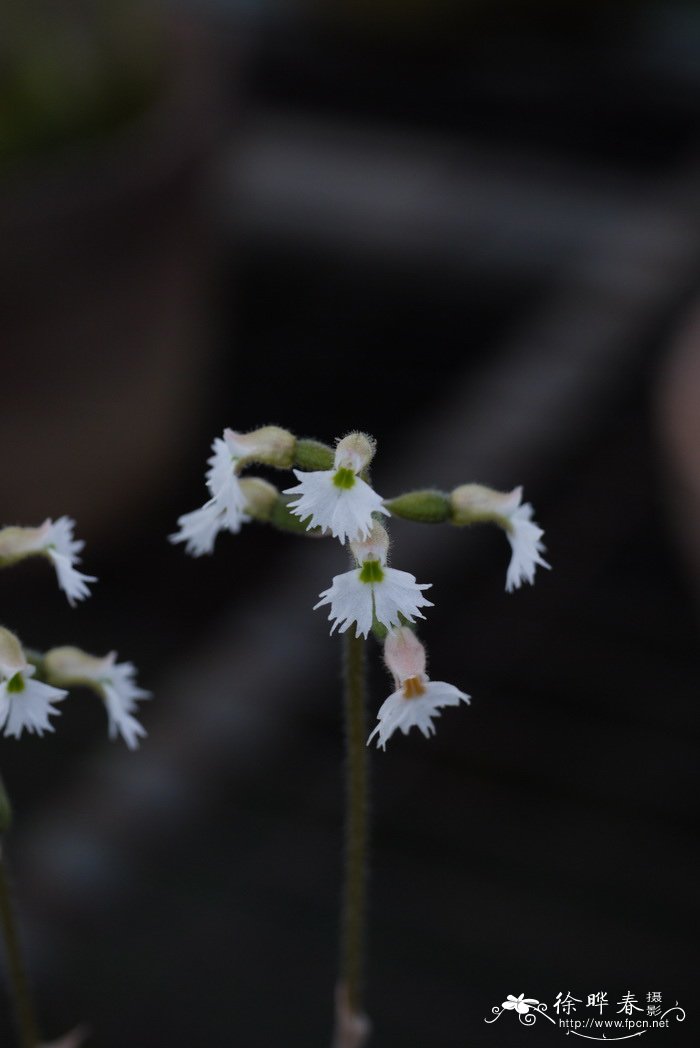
(30, 708)
(345, 512)
(198, 529)
(63, 549)
(398, 712)
(399, 595)
(120, 701)
(527, 548)
(73, 582)
(351, 601)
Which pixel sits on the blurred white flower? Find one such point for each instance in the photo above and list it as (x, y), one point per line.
(417, 699)
(25, 704)
(225, 510)
(472, 503)
(337, 499)
(372, 590)
(525, 542)
(52, 539)
(113, 681)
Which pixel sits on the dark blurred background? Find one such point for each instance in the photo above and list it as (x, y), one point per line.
(472, 229)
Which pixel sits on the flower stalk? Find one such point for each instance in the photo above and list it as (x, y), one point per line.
(20, 993)
(354, 905)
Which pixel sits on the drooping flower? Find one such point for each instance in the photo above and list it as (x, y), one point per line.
(224, 511)
(25, 704)
(472, 503)
(372, 590)
(338, 499)
(113, 681)
(53, 539)
(525, 542)
(226, 508)
(520, 1004)
(417, 699)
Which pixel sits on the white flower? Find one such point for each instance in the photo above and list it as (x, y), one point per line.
(198, 529)
(520, 1004)
(338, 499)
(525, 542)
(24, 703)
(27, 704)
(113, 681)
(53, 539)
(225, 510)
(472, 503)
(373, 590)
(417, 699)
(63, 550)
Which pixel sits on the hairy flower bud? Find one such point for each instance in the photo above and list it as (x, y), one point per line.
(404, 654)
(260, 497)
(474, 503)
(354, 452)
(12, 659)
(270, 445)
(374, 547)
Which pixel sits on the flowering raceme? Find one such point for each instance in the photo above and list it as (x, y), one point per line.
(333, 497)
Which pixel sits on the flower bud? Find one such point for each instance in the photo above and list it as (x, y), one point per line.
(12, 658)
(260, 497)
(375, 547)
(269, 445)
(355, 452)
(404, 654)
(69, 667)
(17, 543)
(474, 504)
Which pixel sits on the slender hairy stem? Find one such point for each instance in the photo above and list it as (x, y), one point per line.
(16, 971)
(355, 887)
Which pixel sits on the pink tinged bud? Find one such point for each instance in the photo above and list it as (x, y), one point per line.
(404, 655)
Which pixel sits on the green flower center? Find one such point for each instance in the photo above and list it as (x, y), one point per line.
(372, 571)
(15, 684)
(344, 478)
